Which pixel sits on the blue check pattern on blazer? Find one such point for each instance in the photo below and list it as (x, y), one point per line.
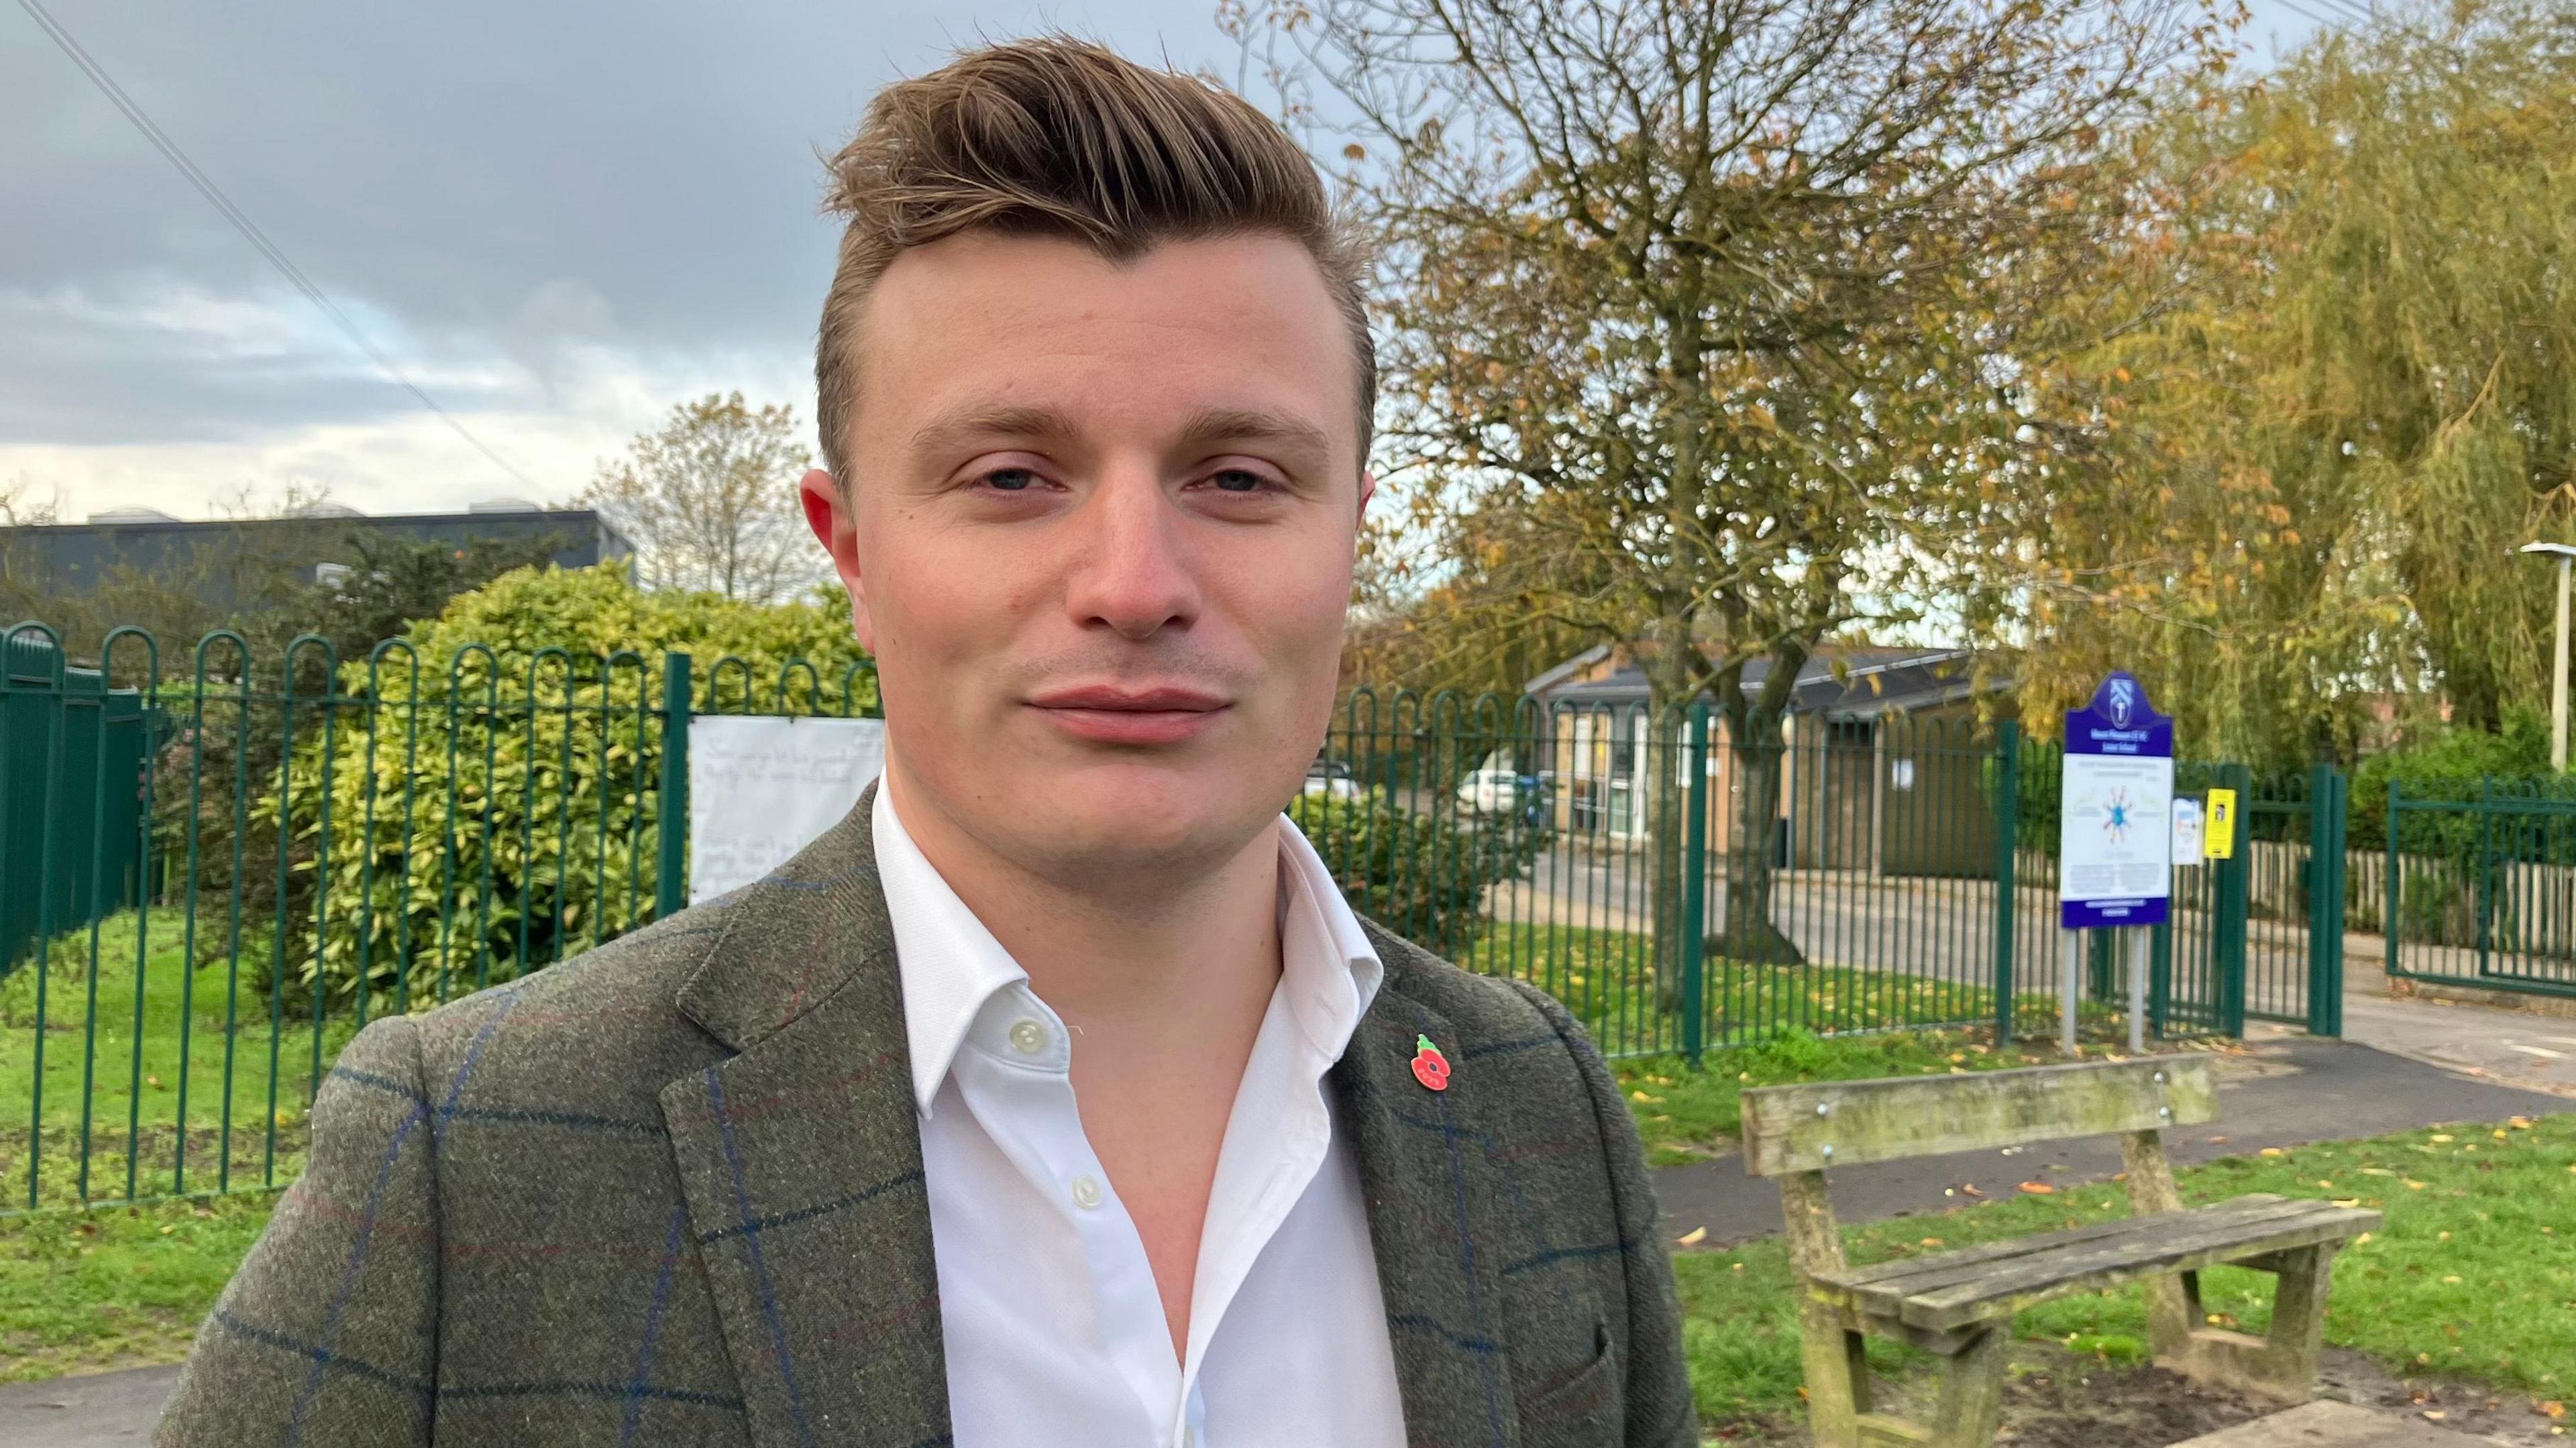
(671, 1193)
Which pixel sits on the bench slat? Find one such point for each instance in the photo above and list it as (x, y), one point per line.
(1944, 1291)
(2002, 1249)
(1832, 1124)
(2033, 1280)
(1922, 1275)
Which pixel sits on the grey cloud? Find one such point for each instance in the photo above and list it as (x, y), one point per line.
(502, 180)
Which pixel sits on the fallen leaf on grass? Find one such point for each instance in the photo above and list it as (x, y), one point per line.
(2039, 1189)
(2270, 1151)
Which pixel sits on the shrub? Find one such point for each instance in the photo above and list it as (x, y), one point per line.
(1422, 876)
(2453, 765)
(487, 784)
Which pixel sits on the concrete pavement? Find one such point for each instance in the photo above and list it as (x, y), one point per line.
(95, 1410)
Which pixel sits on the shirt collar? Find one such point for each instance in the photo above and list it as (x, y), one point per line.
(951, 966)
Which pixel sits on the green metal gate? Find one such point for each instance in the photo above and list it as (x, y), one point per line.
(2481, 891)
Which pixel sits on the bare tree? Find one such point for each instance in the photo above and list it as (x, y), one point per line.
(20, 507)
(1712, 308)
(709, 500)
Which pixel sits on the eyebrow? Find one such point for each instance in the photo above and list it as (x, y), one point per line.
(1207, 427)
(995, 420)
(1227, 424)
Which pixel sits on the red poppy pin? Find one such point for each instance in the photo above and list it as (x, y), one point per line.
(1429, 1066)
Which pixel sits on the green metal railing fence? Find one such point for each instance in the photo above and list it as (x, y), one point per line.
(284, 847)
(2482, 891)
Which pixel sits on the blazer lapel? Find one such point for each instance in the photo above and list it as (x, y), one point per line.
(1422, 1169)
(800, 1158)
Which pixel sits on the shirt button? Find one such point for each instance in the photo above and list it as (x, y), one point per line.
(1028, 1037)
(1086, 1193)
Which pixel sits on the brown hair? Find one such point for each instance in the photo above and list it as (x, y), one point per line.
(1059, 137)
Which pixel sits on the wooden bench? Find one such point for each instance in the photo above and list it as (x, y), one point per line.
(1959, 1305)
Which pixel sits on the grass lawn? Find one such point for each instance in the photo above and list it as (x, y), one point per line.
(2473, 1275)
(85, 1292)
(106, 1088)
(1608, 980)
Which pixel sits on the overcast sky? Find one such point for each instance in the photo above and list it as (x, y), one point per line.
(558, 220)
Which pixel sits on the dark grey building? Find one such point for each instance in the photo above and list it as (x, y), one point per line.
(212, 560)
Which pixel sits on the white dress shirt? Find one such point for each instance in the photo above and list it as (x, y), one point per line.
(1053, 1328)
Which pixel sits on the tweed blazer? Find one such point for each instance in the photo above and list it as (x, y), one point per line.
(671, 1192)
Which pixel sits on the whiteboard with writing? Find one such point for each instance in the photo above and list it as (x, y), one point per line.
(762, 787)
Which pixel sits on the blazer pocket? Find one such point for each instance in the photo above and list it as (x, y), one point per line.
(1577, 1409)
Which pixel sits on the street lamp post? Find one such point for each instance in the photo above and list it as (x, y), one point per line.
(2565, 554)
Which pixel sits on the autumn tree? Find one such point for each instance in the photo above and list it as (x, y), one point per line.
(2317, 465)
(1707, 307)
(709, 500)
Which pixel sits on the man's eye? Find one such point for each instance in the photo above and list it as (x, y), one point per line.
(1010, 480)
(1237, 480)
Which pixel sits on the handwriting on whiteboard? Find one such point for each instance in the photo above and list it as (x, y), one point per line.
(762, 787)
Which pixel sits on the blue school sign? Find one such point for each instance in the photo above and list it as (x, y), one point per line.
(2115, 811)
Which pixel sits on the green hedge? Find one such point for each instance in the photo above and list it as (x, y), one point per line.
(528, 827)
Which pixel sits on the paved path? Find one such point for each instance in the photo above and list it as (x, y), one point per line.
(98, 1410)
(2517, 1048)
(2284, 1092)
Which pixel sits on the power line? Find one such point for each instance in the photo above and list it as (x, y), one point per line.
(2291, 5)
(249, 229)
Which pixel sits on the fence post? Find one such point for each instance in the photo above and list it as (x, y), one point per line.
(2325, 900)
(2007, 821)
(1695, 890)
(671, 820)
(2228, 944)
(2388, 920)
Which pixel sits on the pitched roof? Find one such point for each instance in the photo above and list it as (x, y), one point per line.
(1873, 681)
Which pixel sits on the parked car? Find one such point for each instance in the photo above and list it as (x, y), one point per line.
(1502, 790)
(1491, 790)
(1332, 779)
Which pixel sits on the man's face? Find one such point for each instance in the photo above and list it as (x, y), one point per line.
(1099, 532)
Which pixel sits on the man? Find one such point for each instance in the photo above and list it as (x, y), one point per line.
(1055, 1096)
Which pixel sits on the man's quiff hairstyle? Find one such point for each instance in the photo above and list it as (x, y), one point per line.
(1058, 137)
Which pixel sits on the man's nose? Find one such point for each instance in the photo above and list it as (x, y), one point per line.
(1133, 572)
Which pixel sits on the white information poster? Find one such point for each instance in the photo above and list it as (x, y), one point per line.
(2186, 831)
(2115, 831)
(762, 787)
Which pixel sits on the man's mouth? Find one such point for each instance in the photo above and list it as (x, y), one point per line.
(1128, 714)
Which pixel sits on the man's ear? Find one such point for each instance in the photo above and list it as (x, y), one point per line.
(830, 513)
(1368, 488)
